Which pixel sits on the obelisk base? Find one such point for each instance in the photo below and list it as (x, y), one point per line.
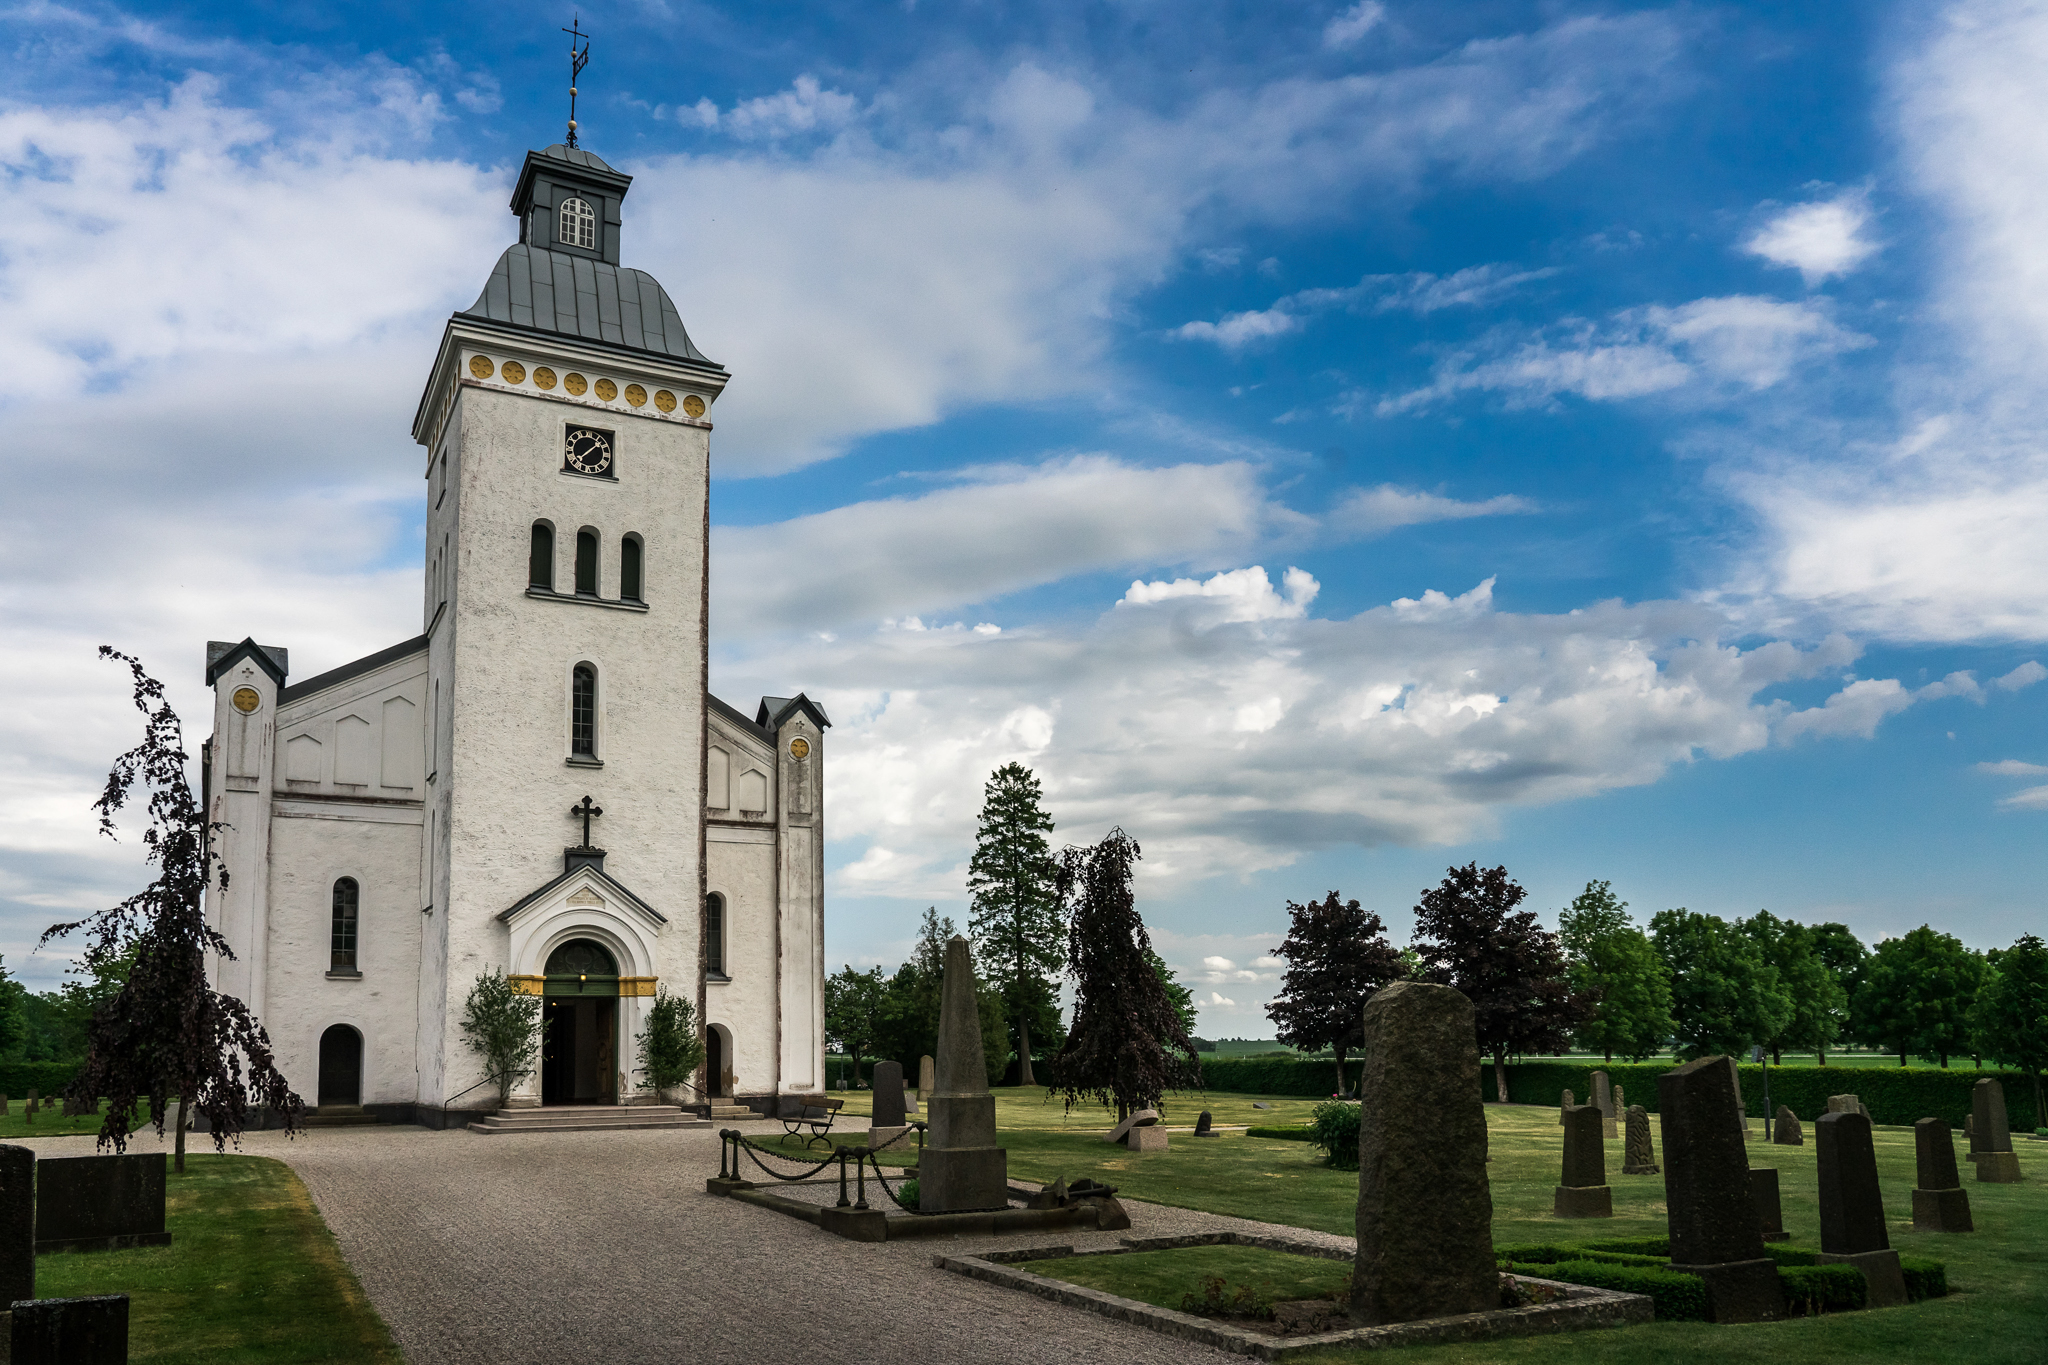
(1942, 1211)
(1584, 1201)
(1741, 1291)
(2000, 1168)
(961, 1168)
(1880, 1270)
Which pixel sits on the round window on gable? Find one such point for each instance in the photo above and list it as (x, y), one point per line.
(579, 225)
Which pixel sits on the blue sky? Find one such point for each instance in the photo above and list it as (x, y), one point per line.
(1331, 441)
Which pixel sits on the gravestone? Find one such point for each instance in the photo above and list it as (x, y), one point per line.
(1567, 1102)
(1852, 1227)
(1770, 1213)
(1582, 1190)
(961, 1168)
(1149, 1138)
(1990, 1138)
(1425, 1211)
(1940, 1203)
(1137, 1118)
(1603, 1100)
(1620, 1103)
(90, 1331)
(3, 1105)
(1788, 1131)
(1741, 1104)
(1260, 1104)
(927, 1075)
(1711, 1212)
(1846, 1104)
(1639, 1157)
(1204, 1125)
(887, 1123)
(100, 1203)
(17, 1224)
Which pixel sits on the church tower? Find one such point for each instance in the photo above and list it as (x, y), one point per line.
(567, 435)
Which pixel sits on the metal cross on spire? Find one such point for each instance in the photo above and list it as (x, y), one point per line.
(577, 57)
(587, 809)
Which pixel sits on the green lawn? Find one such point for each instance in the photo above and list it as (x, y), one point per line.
(1167, 1277)
(252, 1274)
(1999, 1275)
(51, 1122)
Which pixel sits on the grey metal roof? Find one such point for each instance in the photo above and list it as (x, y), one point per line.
(320, 682)
(575, 156)
(221, 656)
(552, 291)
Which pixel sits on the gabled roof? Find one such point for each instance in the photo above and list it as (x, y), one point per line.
(775, 710)
(272, 659)
(575, 866)
(740, 720)
(538, 290)
(320, 682)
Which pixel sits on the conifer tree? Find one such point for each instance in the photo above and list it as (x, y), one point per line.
(1337, 956)
(1015, 915)
(1127, 1045)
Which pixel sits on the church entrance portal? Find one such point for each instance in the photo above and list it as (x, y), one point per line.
(579, 1026)
(341, 1066)
(714, 1062)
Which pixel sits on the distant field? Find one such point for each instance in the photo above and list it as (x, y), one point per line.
(1844, 1059)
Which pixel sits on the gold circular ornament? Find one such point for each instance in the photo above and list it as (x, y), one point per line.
(799, 747)
(664, 400)
(480, 366)
(512, 372)
(543, 377)
(247, 699)
(607, 390)
(694, 405)
(635, 395)
(575, 383)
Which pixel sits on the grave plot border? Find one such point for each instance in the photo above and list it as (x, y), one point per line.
(1583, 1308)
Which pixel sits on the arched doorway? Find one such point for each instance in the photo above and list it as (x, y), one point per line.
(341, 1066)
(579, 1038)
(714, 1062)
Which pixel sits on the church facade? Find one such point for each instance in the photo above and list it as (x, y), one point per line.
(540, 782)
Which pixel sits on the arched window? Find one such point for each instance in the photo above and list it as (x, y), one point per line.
(629, 569)
(586, 563)
(583, 713)
(342, 937)
(714, 934)
(579, 225)
(540, 560)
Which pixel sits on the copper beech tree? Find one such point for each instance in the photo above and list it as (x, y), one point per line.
(1338, 957)
(167, 1034)
(1127, 1045)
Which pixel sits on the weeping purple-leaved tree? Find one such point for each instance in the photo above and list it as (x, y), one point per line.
(168, 1035)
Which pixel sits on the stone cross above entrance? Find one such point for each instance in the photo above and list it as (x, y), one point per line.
(587, 809)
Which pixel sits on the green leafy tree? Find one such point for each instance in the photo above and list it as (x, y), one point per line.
(1916, 993)
(1819, 1004)
(1128, 1044)
(910, 1000)
(1182, 998)
(853, 1011)
(1471, 937)
(1337, 958)
(2010, 1015)
(1724, 996)
(1015, 914)
(501, 1024)
(671, 1046)
(13, 1014)
(1844, 955)
(1616, 970)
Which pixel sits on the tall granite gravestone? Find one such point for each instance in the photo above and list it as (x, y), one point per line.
(1741, 1104)
(90, 1331)
(927, 1075)
(1603, 1100)
(1706, 1192)
(1788, 1131)
(887, 1124)
(1940, 1203)
(1852, 1207)
(17, 1224)
(1847, 1104)
(100, 1203)
(1770, 1212)
(961, 1168)
(1583, 1191)
(1990, 1137)
(1425, 1211)
(1562, 1105)
(1620, 1103)
(1639, 1156)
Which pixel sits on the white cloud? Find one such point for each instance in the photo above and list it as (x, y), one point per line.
(2026, 675)
(1476, 286)
(2033, 798)
(1353, 24)
(805, 108)
(1369, 511)
(1818, 240)
(1238, 330)
(1858, 709)
(1237, 595)
(1216, 998)
(1741, 342)
(2012, 767)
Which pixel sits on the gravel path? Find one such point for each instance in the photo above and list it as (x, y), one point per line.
(551, 1246)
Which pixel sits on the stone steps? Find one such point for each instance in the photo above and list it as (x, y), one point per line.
(337, 1116)
(587, 1118)
(730, 1113)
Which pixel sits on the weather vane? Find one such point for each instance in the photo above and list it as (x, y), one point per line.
(577, 57)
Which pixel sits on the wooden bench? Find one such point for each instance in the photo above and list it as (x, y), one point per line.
(815, 1113)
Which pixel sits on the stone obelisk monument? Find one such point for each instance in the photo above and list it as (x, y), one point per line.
(962, 1168)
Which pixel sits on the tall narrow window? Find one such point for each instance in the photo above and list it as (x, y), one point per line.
(540, 561)
(583, 713)
(579, 225)
(586, 563)
(629, 569)
(347, 899)
(714, 935)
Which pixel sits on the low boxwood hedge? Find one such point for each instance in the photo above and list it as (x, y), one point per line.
(1811, 1290)
(1297, 1133)
(1925, 1279)
(1676, 1296)
(1637, 1265)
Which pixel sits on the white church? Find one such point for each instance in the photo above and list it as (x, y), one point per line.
(539, 782)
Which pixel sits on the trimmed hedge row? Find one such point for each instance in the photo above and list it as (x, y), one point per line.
(1637, 1266)
(1301, 1132)
(1894, 1095)
(45, 1078)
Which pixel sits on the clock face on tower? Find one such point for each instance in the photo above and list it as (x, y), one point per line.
(587, 450)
